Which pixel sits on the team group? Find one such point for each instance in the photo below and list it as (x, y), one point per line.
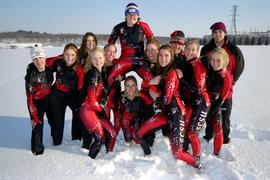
(182, 89)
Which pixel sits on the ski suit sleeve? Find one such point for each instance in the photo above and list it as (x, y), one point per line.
(51, 60)
(240, 64)
(30, 104)
(200, 79)
(147, 100)
(171, 83)
(81, 76)
(114, 35)
(92, 94)
(146, 29)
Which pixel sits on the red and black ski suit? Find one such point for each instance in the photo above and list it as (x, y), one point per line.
(197, 100)
(38, 89)
(173, 113)
(65, 90)
(131, 111)
(219, 84)
(236, 68)
(132, 49)
(93, 114)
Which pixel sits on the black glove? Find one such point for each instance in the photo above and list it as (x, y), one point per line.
(157, 106)
(102, 115)
(215, 107)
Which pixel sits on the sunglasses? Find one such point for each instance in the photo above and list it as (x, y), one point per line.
(177, 42)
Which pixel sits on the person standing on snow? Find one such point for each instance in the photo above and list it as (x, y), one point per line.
(219, 83)
(38, 83)
(236, 67)
(65, 90)
(92, 111)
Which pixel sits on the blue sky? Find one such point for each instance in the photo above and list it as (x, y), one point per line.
(99, 16)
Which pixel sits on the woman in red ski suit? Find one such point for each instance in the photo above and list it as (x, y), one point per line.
(38, 82)
(131, 33)
(195, 95)
(131, 105)
(65, 90)
(236, 67)
(173, 109)
(92, 111)
(219, 83)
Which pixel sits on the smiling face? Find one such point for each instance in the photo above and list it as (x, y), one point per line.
(70, 57)
(40, 63)
(219, 59)
(218, 36)
(177, 46)
(152, 52)
(131, 88)
(90, 42)
(191, 51)
(110, 53)
(217, 62)
(164, 57)
(97, 59)
(132, 18)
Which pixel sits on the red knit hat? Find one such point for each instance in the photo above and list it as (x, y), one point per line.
(218, 26)
(177, 37)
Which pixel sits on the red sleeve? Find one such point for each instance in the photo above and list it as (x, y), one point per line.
(200, 79)
(171, 86)
(81, 75)
(32, 108)
(50, 60)
(227, 85)
(92, 97)
(147, 31)
(147, 100)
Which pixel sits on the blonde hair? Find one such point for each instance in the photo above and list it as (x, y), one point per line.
(106, 47)
(88, 63)
(131, 78)
(193, 41)
(224, 56)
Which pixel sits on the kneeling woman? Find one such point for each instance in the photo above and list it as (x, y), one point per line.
(92, 111)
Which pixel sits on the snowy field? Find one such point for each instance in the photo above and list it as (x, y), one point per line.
(246, 157)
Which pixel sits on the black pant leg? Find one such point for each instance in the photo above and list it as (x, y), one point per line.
(226, 113)
(58, 106)
(37, 146)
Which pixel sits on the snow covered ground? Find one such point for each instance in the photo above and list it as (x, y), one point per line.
(246, 157)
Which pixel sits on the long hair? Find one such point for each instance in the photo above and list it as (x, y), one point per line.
(83, 49)
(75, 49)
(131, 78)
(163, 71)
(88, 64)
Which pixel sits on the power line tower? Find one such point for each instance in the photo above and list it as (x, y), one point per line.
(233, 29)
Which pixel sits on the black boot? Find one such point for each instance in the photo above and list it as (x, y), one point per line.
(145, 147)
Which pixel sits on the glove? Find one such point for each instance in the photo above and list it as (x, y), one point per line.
(102, 115)
(157, 106)
(215, 107)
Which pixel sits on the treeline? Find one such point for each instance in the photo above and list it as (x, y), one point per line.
(49, 39)
(263, 39)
